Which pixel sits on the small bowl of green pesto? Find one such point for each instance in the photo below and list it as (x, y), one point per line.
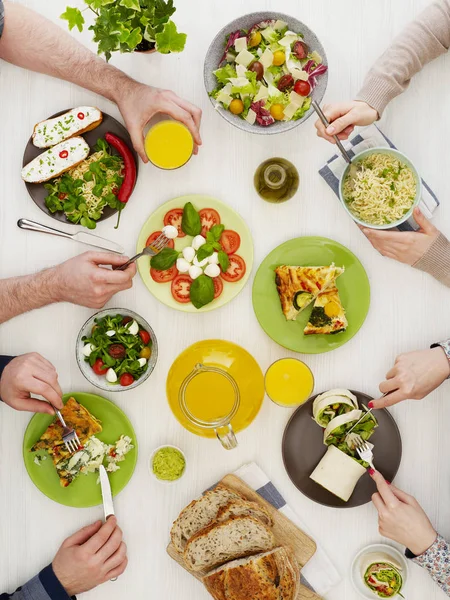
(168, 464)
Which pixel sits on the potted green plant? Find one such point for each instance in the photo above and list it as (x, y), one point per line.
(130, 25)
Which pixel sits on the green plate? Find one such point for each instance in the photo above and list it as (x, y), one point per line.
(353, 285)
(84, 491)
(229, 217)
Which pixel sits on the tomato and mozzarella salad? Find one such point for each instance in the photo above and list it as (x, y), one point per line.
(118, 349)
(267, 74)
(196, 272)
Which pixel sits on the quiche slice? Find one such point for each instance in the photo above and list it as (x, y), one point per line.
(299, 286)
(328, 314)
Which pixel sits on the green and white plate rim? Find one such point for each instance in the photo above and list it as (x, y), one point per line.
(84, 491)
(353, 286)
(229, 217)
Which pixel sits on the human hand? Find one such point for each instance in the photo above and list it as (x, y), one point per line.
(414, 376)
(81, 280)
(405, 246)
(138, 103)
(90, 557)
(343, 118)
(30, 374)
(400, 517)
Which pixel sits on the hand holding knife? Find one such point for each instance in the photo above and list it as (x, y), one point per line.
(108, 506)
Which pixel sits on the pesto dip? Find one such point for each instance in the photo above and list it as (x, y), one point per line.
(168, 464)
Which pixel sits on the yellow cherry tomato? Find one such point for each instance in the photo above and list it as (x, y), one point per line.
(255, 39)
(335, 406)
(145, 353)
(277, 112)
(278, 58)
(332, 309)
(236, 106)
(389, 590)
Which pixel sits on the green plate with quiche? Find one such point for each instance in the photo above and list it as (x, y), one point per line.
(352, 285)
(83, 491)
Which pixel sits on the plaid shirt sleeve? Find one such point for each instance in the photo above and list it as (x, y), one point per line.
(2, 17)
(45, 586)
(436, 560)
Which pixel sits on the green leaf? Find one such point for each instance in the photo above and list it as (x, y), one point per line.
(165, 259)
(133, 4)
(202, 291)
(224, 261)
(224, 74)
(134, 38)
(74, 18)
(169, 40)
(204, 252)
(216, 231)
(191, 222)
(217, 246)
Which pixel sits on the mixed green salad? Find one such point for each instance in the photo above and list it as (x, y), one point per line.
(383, 579)
(85, 190)
(267, 74)
(338, 436)
(118, 348)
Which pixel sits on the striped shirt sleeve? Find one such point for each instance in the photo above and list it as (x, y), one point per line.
(45, 586)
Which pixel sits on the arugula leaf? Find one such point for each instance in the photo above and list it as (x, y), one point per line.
(169, 40)
(74, 18)
(165, 259)
(205, 251)
(224, 261)
(191, 223)
(202, 291)
(133, 4)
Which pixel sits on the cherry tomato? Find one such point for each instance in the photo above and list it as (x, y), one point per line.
(236, 270)
(80, 115)
(236, 106)
(144, 335)
(174, 217)
(300, 50)
(154, 236)
(257, 68)
(63, 154)
(208, 217)
(278, 58)
(254, 39)
(126, 320)
(286, 82)
(277, 112)
(145, 352)
(126, 379)
(117, 351)
(164, 276)
(99, 367)
(302, 88)
(218, 287)
(230, 241)
(181, 288)
(62, 196)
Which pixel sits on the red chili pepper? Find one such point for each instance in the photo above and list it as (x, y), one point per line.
(80, 115)
(130, 166)
(63, 154)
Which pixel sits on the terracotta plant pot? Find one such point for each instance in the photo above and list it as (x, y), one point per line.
(145, 47)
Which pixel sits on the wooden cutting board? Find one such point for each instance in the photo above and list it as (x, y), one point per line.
(286, 534)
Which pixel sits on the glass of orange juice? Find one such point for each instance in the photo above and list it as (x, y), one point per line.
(169, 144)
(289, 382)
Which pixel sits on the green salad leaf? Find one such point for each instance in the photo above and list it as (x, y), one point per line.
(202, 291)
(223, 75)
(191, 222)
(165, 259)
(169, 40)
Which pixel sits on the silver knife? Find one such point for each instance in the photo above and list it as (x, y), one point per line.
(365, 413)
(108, 505)
(81, 236)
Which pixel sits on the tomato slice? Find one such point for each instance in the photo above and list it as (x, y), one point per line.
(236, 270)
(218, 287)
(164, 276)
(174, 217)
(230, 241)
(208, 217)
(181, 288)
(154, 236)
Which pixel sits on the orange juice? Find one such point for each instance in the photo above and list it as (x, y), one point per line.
(169, 144)
(289, 382)
(210, 397)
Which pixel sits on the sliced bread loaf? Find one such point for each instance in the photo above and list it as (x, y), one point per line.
(222, 542)
(200, 513)
(243, 508)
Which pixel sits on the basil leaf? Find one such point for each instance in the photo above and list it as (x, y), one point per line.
(164, 260)
(210, 237)
(202, 291)
(224, 261)
(191, 223)
(204, 251)
(217, 246)
(216, 231)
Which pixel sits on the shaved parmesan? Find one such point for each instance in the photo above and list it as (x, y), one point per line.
(268, 78)
(227, 88)
(273, 91)
(279, 25)
(259, 52)
(239, 81)
(241, 70)
(240, 44)
(296, 99)
(262, 93)
(251, 117)
(224, 98)
(315, 56)
(267, 58)
(290, 111)
(288, 39)
(244, 58)
(298, 74)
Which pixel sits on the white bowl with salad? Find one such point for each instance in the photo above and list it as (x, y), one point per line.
(262, 71)
(116, 350)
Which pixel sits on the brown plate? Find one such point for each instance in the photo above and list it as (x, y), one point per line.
(38, 192)
(303, 449)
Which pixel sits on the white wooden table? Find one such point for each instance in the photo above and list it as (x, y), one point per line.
(408, 311)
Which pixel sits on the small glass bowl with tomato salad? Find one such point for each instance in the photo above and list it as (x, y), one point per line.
(114, 351)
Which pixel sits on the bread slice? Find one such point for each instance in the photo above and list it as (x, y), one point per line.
(74, 122)
(240, 508)
(200, 513)
(266, 576)
(221, 542)
(57, 160)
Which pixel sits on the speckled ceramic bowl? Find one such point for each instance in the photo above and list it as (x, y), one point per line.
(215, 53)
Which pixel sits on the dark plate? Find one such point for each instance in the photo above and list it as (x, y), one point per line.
(38, 192)
(303, 449)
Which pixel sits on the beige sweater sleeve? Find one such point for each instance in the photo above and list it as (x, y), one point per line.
(423, 40)
(436, 261)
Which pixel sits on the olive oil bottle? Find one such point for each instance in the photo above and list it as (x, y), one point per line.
(276, 180)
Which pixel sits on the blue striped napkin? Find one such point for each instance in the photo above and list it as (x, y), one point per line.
(319, 574)
(372, 137)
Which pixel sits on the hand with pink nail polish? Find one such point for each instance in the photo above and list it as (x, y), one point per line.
(401, 518)
(343, 119)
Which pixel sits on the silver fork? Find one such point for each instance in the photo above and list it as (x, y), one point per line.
(365, 452)
(70, 437)
(159, 244)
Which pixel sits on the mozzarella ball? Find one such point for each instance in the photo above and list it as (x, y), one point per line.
(214, 259)
(110, 333)
(170, 232)
(198, 241)
(142, 361)
(200, 263)
(195, 272)
(183, 265)
(133, 328)
(188, 253)
(111, 375)
(212, 270)
(88, 349)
